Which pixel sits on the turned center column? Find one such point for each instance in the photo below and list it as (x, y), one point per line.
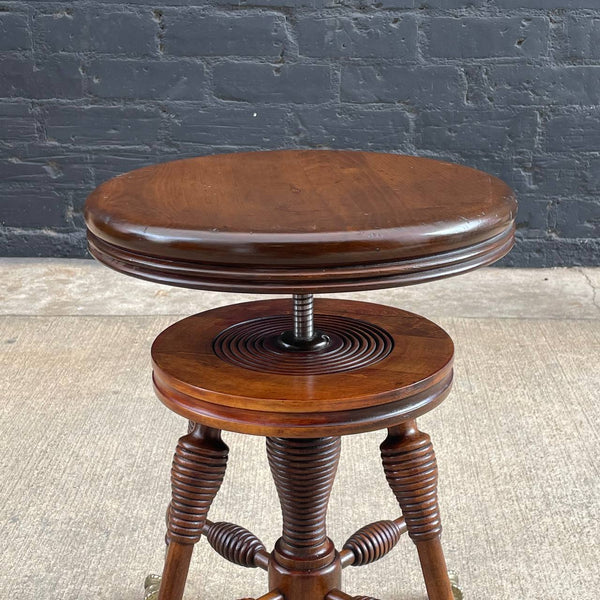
(304, 563)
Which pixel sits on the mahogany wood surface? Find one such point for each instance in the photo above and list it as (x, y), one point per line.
(339, 595)
(300, 220)
(196, 476)
(236, 544)
(194, 380)
(411, 471)
(304, 563)
(372, 542)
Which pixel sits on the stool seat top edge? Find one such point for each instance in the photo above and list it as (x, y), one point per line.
(296, 210)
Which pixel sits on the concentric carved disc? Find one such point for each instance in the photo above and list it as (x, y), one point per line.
(353, 344)
(210, 370)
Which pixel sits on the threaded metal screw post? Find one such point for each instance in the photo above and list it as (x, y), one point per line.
(304, 328)
(303, 337)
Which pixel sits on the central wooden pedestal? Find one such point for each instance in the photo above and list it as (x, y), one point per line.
(304, 563)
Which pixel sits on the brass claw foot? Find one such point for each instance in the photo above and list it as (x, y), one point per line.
(151, 587)
(456, 591)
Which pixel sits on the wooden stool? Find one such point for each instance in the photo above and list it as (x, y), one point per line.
(302, 373)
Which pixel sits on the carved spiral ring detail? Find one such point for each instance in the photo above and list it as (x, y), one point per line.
(303, 471)
(196, 476)
(235, 543)
(411, 470)
(373, 541)
(354, 344)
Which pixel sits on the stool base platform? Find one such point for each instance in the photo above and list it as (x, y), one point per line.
(304, 565)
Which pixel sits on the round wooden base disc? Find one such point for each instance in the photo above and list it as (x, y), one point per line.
(226, 369)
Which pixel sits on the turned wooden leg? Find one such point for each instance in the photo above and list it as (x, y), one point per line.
(304, 564)
(411, 470)
(196, 476)
(191, 426)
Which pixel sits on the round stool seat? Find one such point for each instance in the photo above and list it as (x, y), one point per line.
(300, 221)
(223, 368)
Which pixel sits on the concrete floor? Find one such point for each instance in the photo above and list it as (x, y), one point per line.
(84, 287)
(85, 447)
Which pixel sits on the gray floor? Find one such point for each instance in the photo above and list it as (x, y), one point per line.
(85, 447)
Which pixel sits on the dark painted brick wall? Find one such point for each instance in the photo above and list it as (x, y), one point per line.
(92, 89)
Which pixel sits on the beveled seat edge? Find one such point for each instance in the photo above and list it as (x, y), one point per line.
(253, 279)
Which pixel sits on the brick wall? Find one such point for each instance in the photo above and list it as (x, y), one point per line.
(92, 89)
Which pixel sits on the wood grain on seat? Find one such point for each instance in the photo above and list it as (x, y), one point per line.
(300, 220)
